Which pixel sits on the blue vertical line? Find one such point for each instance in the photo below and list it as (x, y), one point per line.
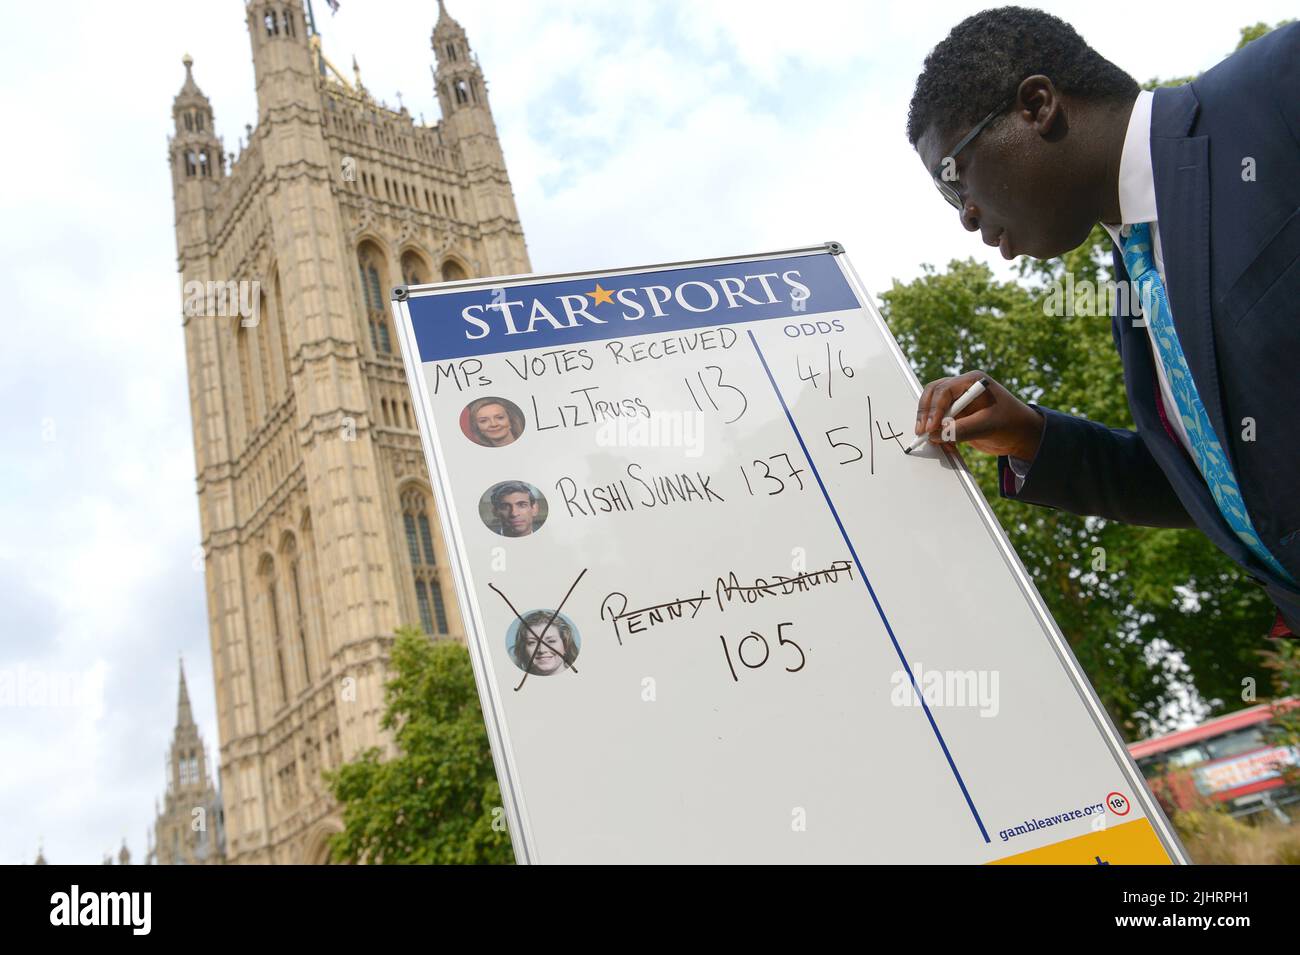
(871, 590)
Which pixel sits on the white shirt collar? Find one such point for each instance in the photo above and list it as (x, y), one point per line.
(1137, 182)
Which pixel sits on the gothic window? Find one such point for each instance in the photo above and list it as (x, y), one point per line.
(198, 120)
(277, 641)
(313, 610)
(242, 334)
(272, 26)
(203, 162)
(300, 616)
(419, 549)
(286, 357)
(288, 23)
(191, 163)
(413, 270)
(372, 284)
(452, 271)
(264, 356)
(439, 608)
(462, 92)
(189, 122)
(451, 51)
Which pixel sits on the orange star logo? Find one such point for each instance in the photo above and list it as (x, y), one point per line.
(601, 295)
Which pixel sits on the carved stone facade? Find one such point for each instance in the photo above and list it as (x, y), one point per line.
(319, 531)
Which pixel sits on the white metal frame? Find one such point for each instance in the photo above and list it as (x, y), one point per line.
(479, 645)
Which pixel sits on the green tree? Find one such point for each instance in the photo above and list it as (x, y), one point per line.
(437, 799)
(1258, 30)
(1284, 730)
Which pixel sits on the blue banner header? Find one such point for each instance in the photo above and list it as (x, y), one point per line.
(489, 320)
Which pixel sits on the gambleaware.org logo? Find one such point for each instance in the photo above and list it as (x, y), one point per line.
(102, 908)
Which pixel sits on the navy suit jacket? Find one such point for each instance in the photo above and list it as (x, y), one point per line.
(1225, 151)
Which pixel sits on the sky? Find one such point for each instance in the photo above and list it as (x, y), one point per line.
(634, 133)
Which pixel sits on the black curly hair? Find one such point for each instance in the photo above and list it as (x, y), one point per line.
(982, 61)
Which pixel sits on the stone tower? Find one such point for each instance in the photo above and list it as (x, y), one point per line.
(189, 826)
(318, 527)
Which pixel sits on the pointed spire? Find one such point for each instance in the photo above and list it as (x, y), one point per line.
(188, 62)
(191, 111)
(189, 89)
(184, 717)
(446, 22)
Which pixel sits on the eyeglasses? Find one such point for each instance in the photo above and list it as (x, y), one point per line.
(939, 172)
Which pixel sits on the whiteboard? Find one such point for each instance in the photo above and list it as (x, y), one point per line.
(714, 612)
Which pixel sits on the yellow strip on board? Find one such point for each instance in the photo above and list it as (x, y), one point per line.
(1132, 843)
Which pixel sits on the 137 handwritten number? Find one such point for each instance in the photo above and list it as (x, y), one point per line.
(767, 474)
(759, 651)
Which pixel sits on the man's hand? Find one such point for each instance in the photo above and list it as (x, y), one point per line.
(997, 422)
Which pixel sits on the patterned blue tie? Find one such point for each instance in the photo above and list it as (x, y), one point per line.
(1207, 452)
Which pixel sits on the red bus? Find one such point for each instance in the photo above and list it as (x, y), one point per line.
(1229, 760)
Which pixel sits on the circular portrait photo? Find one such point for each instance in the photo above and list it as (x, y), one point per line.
(513, 509)
(541, 645)
(492, 422)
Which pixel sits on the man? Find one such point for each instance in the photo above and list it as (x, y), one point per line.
(515, 507)
(1033, 137)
